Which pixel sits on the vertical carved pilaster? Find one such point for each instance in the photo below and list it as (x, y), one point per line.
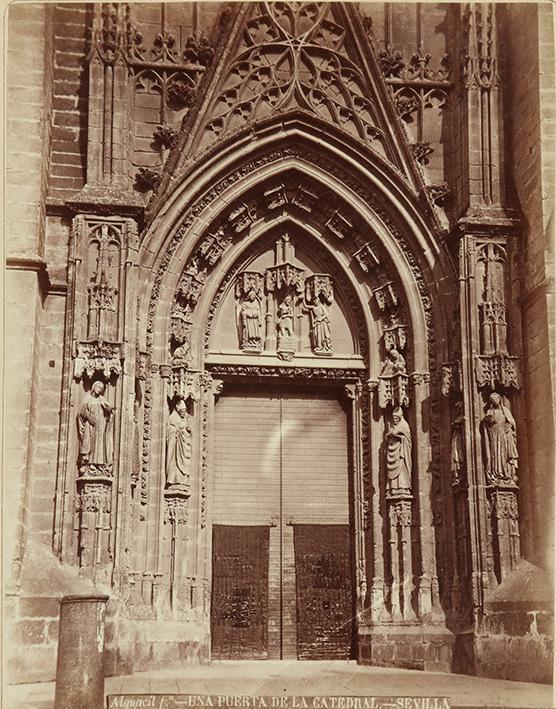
(355, 394)
(505, 524)
(489, 378)
(400, 521)
(94, 508)
(175, 518)
(94, 452)
(108, 103)
(377, 560)
(481, 84)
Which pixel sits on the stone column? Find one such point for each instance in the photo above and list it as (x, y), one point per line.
(80, 666)
(378, 612)
(355, 393)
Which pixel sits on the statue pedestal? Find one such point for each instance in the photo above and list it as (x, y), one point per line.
(286, 347)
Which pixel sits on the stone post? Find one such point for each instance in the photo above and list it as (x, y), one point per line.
(80, 666)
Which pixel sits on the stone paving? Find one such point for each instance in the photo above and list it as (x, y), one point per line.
(305, 678)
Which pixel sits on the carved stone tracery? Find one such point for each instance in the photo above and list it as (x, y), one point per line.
(295, 53)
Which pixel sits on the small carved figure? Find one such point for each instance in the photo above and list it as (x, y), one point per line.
(95, 432)
(284, 318)
(398, 454)
(319, 324)
(182, 353)
(499, 442)
(250, 322)
(457, 448)
(178, 448)
(395, 363)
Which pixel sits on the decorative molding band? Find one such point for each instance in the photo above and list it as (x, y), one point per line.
(39, 266)
(287, 372)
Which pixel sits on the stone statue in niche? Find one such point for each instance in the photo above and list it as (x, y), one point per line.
(398, 454)
(499, 442)
(319, 295)
(182, 354)
(285, 340)
(395, 363)
(284, 318)
(319, 328)
(94, 430)
(178, 449)
(250, 320)
(457, 445)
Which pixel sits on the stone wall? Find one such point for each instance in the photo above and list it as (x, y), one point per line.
(530, 108)
(69, 99)
(25, 170)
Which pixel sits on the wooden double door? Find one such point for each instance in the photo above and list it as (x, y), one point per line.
(281, 553)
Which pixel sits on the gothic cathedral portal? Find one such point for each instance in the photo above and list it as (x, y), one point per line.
(279, 409)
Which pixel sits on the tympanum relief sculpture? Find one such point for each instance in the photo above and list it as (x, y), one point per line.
(250, 321)
(290, 296)
(319, 295)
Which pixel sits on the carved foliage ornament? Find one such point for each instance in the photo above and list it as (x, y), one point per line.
(452, 378)
(114, 35)
(416, 69)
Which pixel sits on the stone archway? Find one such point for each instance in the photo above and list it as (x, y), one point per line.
(382, 264)
(377, 385)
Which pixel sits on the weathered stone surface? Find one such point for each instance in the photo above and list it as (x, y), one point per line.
(402, 271)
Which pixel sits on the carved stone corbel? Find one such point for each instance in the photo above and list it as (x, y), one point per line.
(386, 297)
(340, 225)
(367, 258)
(304, 198)
(243, 216)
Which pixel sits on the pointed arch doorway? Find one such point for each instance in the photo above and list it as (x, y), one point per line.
(282, 585)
